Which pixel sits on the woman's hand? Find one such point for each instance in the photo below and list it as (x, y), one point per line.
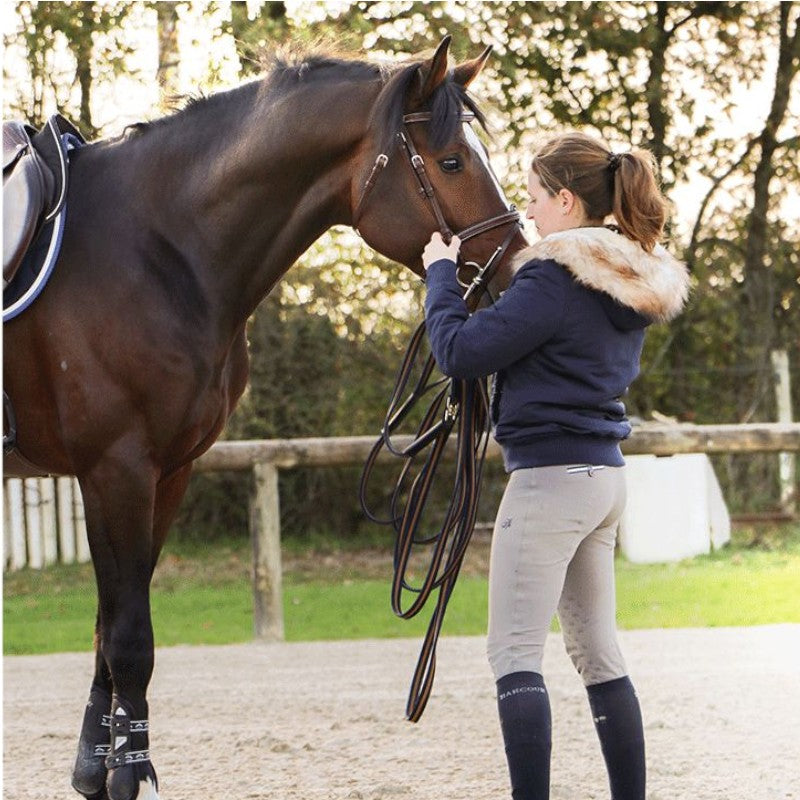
(436, 250)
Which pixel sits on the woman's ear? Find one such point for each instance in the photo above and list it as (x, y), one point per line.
(566, 200)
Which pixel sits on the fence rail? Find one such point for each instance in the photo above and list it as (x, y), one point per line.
(659, 440)
(44, 521)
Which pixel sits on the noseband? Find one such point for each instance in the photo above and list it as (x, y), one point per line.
(484, 273)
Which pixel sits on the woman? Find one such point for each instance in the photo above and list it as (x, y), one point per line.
(564, 341)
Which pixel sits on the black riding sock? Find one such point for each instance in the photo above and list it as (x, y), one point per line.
(524, 708)
(618, 720)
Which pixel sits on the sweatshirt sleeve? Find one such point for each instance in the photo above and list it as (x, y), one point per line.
(471, 346)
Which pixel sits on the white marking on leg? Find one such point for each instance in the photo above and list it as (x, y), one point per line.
(147, 790)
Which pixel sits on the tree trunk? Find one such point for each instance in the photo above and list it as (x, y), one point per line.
(759, 278)
(756, 270)
(82, 47)
(654, 88)
(168, 54)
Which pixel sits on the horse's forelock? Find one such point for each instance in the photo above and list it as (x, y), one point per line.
(445, 106)
(448, 102)
(387, 113)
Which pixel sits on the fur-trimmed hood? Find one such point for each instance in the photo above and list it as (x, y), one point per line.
(655, 284)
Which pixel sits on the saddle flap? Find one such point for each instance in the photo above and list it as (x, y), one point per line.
(35, 176)
(25, 197)
(16, 140)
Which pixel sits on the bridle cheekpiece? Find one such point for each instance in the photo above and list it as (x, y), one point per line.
(484, 273)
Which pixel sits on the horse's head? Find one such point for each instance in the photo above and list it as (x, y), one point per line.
(423, 168)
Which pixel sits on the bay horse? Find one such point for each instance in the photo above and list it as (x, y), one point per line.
(127, 366)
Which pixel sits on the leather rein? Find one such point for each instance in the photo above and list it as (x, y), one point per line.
(460, 404)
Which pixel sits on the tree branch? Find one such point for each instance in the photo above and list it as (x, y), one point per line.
(792, 141)
(726, 243)
(693, 242)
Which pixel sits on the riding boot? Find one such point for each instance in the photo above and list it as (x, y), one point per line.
(618, 720)
(89, 774)
(524, 708)
(129, 767)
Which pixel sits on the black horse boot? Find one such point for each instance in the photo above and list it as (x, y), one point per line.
(89, 774)
(130, 773)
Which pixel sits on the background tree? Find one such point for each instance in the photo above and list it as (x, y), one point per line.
(669, 76)
(90, 33)
(167, 73)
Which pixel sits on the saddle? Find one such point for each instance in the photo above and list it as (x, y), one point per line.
(35, 180)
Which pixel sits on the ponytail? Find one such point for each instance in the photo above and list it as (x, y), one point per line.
(622, 184)
(638, 205)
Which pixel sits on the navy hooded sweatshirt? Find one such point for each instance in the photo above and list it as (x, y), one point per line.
(564, 340)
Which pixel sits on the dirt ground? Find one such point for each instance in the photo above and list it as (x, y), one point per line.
(325, 720)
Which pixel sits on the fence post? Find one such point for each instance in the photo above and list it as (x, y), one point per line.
(33, 522)
(16, 507)
(786, 461)
(82, 551)
(47, 489)
(265, 533)
(6, 530)
(66, 521)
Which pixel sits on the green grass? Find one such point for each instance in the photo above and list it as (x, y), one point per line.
(223, 614)
(204, 597)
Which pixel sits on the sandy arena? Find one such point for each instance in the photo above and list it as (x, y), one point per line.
(324, 721)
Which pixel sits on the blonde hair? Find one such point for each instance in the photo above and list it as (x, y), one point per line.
(622, 184)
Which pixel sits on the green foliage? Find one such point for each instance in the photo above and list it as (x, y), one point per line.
(668, 76)
(91, 33)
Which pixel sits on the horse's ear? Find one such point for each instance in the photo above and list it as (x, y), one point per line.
(432, 73)
(465, 73)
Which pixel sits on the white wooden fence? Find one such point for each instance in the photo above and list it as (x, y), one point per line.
(40, 530)
(43, 523)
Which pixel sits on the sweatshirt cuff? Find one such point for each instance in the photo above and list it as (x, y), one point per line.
(442, 267)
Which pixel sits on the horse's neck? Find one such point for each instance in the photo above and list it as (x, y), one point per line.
(257, 194)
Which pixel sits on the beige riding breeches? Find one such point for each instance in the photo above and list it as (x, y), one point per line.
(553, 552)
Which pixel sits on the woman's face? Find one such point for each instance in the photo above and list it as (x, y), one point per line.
(551, 213)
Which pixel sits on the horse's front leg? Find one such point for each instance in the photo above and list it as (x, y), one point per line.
(89, 774)
(118, 497)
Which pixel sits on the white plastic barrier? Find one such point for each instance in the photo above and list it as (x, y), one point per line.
(675, 509)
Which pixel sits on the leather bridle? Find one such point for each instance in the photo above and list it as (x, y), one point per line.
(460, 405)
(483, 273)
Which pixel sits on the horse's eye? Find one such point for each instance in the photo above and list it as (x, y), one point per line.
(451, 164)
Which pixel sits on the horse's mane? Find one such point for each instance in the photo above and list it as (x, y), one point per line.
(387, 114)
(285, 69)
(286, 73)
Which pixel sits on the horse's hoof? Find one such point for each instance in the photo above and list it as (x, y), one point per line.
(132, 782)
(103, 795)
